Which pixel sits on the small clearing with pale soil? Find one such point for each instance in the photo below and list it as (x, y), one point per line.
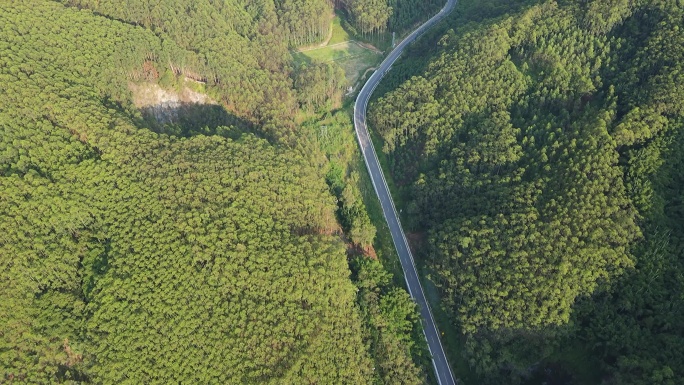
(164, 104)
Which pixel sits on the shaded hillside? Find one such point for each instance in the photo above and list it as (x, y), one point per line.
(548, 145)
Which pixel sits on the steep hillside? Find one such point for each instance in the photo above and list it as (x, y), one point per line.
(241, 49)
(128, 256)
(547, 139)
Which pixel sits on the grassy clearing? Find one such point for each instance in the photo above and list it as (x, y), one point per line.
(355, 66)
(339, 34)
(333, 52)
(349, 55)
(343, 50)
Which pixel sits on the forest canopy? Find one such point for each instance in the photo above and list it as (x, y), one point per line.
(129, 256)
(377, 16)
(548, 136)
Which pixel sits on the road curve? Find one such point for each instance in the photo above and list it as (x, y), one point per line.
(442, 369)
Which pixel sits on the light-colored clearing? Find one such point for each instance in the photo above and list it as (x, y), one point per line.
(152, 95)
(339, 35)
(350, 55)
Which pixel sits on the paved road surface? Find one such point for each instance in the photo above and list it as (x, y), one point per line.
(439, 361)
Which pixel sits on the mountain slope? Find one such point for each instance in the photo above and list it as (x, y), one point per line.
(129, 256)
(544, 139)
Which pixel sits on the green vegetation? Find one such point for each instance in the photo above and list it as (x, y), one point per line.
(394, 322)
(341, 53)
(406, 13)
(339, 34)
(335, 52)
(241, 49)
(353, 58)
(320, 85)
(215, 249)
(357, 67)
(369, 23)
(305, 21)
(371, 17)
(391, 320)
(548, 139)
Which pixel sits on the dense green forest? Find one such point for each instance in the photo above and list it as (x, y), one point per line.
(228, 247)
(549, 184)
(241, 50)
(377, 16)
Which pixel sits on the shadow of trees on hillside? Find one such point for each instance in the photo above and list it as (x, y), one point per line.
(183, 119)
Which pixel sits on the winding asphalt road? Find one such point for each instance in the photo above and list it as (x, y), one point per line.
(439, 361)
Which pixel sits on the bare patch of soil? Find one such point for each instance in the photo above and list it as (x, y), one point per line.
(164, 104)
(354, 249)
